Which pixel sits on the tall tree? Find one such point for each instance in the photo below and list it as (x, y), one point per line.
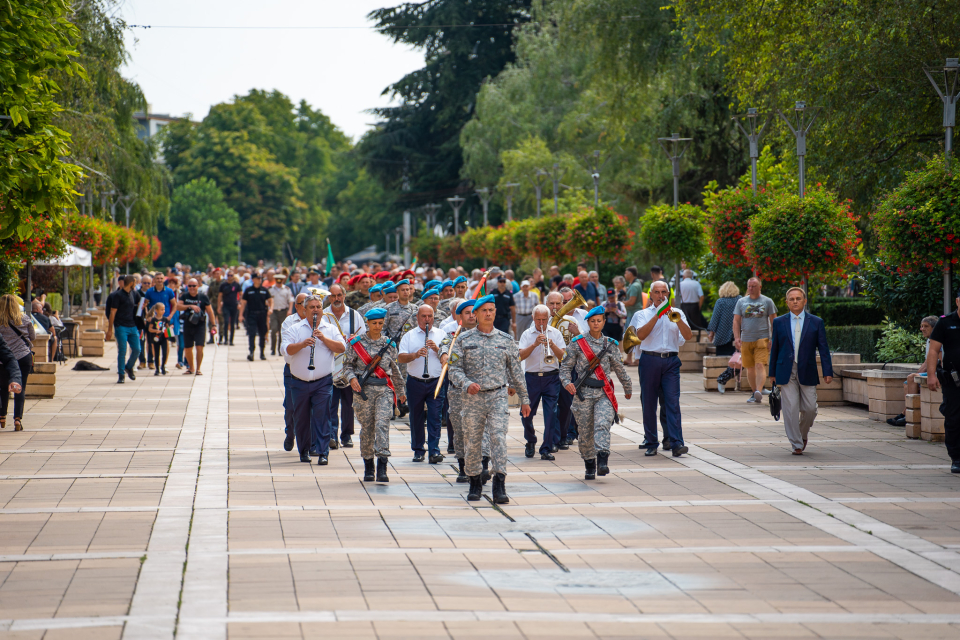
(202, 228)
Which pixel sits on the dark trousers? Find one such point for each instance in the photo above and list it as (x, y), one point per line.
(663, 410)
(950, 408)
(564, 410)
(423, 407)
(725, 349)
(311, 406)
(160, 350)
(503, 324)
(228, 323)
(257, 326)
(341, 399)
(694, 315)
(660, 381)
(445, 410)
(546, 388)
(25, 363)
(287, 401)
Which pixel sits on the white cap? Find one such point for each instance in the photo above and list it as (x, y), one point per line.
(525, 283)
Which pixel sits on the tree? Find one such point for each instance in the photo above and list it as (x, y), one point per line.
(202, 227)
(36, 40)
(674, 234)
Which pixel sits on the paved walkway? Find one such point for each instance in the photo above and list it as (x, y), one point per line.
(168, 505)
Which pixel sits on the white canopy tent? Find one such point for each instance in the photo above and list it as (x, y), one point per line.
(74, 257)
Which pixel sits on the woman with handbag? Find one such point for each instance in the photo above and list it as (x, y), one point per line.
(18, 335)
(721, 330)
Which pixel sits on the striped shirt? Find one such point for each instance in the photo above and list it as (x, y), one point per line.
(525, 304)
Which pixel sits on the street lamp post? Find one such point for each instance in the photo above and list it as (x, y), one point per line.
(485, 194)
(949, 96)
(396, 238)
(556, 187)
(803, 124)
(456, 202)
(595, 167)
(678, 146)
(537, 182)
(430, 213)
(510, 186)
(753, 134)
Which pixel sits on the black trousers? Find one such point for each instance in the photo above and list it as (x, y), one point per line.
(341, 399)
(256, 326)
(950, 408)
(26, 363)
(229, 322)
(160, 349)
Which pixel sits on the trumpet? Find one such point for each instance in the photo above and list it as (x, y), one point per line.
(673, 315)
(548, 357)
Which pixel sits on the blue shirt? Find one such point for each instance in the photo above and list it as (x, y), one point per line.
(168, 298)
(588, 291)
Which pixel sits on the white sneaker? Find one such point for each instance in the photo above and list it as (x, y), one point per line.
(721, 388)
(757, 397)
(766, 392)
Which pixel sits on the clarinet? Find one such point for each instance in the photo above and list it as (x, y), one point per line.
(313, 347)
(426, 358)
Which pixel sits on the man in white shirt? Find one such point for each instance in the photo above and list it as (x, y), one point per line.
(537, 343)
(420, 351)
(350, 323)
(292, 319)
(555, 301)
(310, 388)
(691, 300)
(282, 307)
(658, 353)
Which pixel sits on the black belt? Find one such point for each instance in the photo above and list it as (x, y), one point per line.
(419, 379)
(593, 383)
(524, 314)
(310, 381)
(376, 382)
(541, 374)
(494, 389)
(657, 354)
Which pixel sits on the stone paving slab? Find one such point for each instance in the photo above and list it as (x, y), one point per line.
(167, 505)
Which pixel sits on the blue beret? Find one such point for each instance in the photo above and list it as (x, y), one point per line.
(464, 305)
(379, 313)
(429, 292)
(446, 283)
(400, 282)
(429, 284)
(459, 280)
(596, 311)
(388, 287)
(482, 301)
(376, 288)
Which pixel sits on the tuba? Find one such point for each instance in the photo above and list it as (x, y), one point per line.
(562, 321)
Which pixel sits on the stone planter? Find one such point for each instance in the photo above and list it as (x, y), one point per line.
(42, 383)
(91, 343)
(692, 353)
(886, 393)
(712, 367)
(40, 347)
(931, 420)
(912, 413)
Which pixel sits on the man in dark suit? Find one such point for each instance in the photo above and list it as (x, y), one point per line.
(797, 337)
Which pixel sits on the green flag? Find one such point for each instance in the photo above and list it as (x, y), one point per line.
(330, 260)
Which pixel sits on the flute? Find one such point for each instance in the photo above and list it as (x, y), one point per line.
(313, 347)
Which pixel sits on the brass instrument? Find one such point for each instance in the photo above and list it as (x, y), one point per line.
(561, 317)
(630, 339)
(548, 357)
(673, 315)
(339, 373)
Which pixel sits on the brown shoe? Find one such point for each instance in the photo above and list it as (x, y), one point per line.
(798, 452)
(804, 445)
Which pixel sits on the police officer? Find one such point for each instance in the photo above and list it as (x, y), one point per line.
(255, 306)
(374, 413)
(946, 335)
(595, 413)
(482, 359)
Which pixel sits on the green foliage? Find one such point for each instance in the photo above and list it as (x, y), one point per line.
(547, 240)
(793, 238)
(202, 228)
(903, 297)
(860, 339)
(860, 62)
(853, 311)
(474, 242)
(918, 223)
(674, 234)
(9, 280)
(601, 234)
(896, 344)
(728, 221)
(36, 40)
(426, 247)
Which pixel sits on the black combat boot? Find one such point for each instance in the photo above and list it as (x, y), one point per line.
(476, 488)
(591, 469)
(382, 470)
(368, 470)
(461, 477)
(485, 476)
(500, 489)
(602, 458)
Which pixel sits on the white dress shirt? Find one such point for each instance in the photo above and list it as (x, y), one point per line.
(413, 341)
(581, 316)
(449, 326)
(665, 336)
(288, 322)
(323, 357)
(796, 328)
(690, 290)
(359, 326)
(534, 362)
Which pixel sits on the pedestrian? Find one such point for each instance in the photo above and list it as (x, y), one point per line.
(615, 314)
(541, 348)
(525, 301)
(350, 323)
(752, 318)
(228, 298)
(720, 328)
(195, 308)
(587, 289)
(18, 336)
(143, 308)
(282, 299)
(659, 368)
(691, 300)
(568, 331)
(506, 316)
(121, 311)
(420, 351)
(158, 341)
(483, 363)
(381, 390)
(301, 347)
(945, 344)
(596, 404)
(300, 312)
(256, 305)
(797, 338)
(295, 285)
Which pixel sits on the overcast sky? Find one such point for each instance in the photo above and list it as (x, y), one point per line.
(340, 71)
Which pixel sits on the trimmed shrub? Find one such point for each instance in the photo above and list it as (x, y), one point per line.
(899, 345)
(862, 340)
(857, 311)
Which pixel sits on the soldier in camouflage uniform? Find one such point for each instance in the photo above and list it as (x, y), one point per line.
(446, 298)
(594, 413)
(374, 413)
(482, 359)
(401, 314)
(361, 295)
(375, 297)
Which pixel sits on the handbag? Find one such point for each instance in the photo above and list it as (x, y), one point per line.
(774, 400)
(735, 360)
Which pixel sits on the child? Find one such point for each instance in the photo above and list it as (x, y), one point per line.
(156, 329)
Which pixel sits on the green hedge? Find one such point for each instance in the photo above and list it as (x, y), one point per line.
(862, 340)
(857, 311)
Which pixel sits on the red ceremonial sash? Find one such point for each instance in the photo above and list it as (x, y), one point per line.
(366, 359)
(601, 376)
